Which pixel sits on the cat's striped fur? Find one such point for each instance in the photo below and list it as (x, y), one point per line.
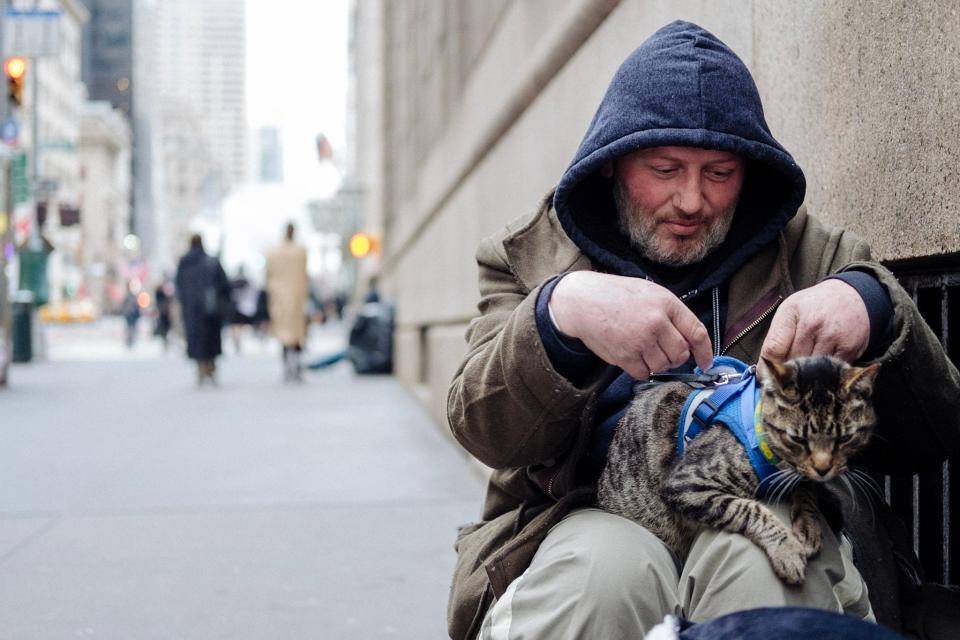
(816, 414)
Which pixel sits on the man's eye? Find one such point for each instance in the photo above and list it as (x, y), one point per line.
(664, 171)
(719, 175)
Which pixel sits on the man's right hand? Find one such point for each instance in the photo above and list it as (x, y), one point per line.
(631, 323)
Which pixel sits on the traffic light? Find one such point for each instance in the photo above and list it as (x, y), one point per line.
(15, 68)
(361, 244)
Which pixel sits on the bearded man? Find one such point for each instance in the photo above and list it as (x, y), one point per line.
(675, 235)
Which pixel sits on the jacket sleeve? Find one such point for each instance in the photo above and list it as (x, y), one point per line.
(507, 405)
(917, 394)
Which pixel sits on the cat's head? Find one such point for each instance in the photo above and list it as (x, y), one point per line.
(817, 412)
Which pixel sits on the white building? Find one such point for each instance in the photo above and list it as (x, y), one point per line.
(105, 195)
(190, 113)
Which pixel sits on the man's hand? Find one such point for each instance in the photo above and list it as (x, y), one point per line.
(631, 323)
(829, 318)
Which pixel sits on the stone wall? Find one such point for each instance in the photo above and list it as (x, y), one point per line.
(484, 104)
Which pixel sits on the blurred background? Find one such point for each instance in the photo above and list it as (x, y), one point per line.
(394, 135)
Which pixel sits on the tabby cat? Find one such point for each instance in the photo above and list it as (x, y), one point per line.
(815, 413)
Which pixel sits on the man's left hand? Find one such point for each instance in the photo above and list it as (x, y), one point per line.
(828, 318)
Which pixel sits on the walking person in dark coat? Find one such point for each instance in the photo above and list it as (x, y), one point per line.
(203, 292)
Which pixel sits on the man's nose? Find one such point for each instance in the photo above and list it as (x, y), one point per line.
(689, 196)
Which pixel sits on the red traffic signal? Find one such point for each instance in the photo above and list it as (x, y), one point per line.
(15, 68)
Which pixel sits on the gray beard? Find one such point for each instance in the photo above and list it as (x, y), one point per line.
(640, 227)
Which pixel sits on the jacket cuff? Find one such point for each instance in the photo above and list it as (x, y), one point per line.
(879, 309)
(568, 355)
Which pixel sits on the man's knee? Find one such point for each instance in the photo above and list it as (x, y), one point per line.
(606, 562)
(720, 558)
(596, 575)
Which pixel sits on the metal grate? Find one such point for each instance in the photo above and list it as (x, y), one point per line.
(925, 501)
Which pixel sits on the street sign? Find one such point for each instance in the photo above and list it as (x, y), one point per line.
(20, 185)
(9, 131)
(32, 33)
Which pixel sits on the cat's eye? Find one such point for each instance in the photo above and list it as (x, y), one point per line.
(796, 439)
(844, 439)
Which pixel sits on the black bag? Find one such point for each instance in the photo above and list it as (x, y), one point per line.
(371, 339)
(215, 302)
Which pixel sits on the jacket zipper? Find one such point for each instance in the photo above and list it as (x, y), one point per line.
(753, 325)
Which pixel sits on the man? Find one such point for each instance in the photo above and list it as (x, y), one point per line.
(287, 288)
(676, 234)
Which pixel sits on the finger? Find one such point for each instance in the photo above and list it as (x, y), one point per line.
(674, 347)
(694, 333)
(657, 361)
(779, 340)
(823, 346)
(803, 341)
(631, 363)
(638, 368)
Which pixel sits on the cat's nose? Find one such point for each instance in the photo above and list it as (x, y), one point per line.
(822, 462)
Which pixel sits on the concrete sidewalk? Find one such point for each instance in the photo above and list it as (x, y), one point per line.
(133, 505)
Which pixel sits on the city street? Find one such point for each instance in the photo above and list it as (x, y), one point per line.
(134, 505)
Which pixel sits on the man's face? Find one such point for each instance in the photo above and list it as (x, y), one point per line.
(676, 204)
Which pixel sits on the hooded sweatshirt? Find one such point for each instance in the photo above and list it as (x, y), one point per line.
(681, 87)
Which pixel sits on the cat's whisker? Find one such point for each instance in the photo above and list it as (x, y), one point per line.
(773, 484)
(869, 489)
(867, 482)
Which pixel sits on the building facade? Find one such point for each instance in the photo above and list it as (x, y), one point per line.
(469, 113)
(108, 53)
(105, 146)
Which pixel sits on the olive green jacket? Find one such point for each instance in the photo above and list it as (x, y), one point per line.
(511, 410)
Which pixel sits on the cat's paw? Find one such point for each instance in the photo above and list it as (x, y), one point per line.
(809, 534)
(789, 560)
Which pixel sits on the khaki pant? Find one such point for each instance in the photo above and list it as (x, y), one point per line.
(599, 575)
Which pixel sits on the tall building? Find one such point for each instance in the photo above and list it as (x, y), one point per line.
(108, 53)
(105, 189)
(270, 155)
(190, 118)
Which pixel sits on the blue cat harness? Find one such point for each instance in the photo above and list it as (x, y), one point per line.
(733, 400)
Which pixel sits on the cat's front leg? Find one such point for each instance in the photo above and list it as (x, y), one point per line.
(805, 520)
(700, 494)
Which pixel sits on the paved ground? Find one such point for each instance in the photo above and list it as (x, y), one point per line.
(133, 505)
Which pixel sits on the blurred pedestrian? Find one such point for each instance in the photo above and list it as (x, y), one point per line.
(163, 303)
(243, 306)
(130, 310)
(287, 288)
(203, 292)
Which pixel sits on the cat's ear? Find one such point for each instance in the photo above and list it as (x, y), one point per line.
(861, 377)
(779, 372)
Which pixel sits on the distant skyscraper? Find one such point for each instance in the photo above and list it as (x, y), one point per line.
(271, 155)
(108, 52)
(192, 112)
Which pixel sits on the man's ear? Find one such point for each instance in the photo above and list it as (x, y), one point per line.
(607, 169)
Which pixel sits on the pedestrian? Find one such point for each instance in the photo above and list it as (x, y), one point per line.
(163, 304)
(203, 292)
(243, 306)
(287, 289)
(675, 234)
(130, 310)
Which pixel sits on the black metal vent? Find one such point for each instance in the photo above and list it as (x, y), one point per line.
(926, 501)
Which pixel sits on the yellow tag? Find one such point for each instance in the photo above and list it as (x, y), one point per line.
(3, 222)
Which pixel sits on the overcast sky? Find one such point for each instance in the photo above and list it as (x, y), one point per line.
(297, 81)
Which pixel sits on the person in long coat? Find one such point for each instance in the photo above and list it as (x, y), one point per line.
(203, 291)
(287, 289)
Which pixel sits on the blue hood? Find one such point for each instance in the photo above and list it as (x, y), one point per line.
(682, 87)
